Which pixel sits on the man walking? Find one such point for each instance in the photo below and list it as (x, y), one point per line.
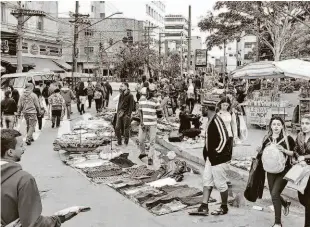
(90, 94)
(20, 197)
(148, 106)
(68, 95)
(109, 91)
(30, 107)
(124, 111)
(8, 110)
(57, 104)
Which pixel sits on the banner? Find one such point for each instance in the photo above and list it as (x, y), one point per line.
(201, 57)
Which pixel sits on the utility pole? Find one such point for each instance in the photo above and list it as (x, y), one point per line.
(189, 37)
(75, 39)
(258, 33)
(19, 14)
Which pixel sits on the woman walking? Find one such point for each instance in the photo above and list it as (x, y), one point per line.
(221, 133)
(82, 97)
(303, 151)
(40, 116)
(191, 91)
(278, 138)
(98, 96)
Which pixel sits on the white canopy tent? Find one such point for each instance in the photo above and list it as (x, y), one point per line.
(258, 70)
(295, 68)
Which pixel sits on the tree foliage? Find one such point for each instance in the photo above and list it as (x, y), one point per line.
(132, 60)
(172, 65)
(283, 22)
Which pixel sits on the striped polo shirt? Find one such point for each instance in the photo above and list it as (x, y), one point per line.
(149, 108)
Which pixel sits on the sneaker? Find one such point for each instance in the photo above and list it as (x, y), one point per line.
(141, 156)
(150, 161)
(286, 209)
(53, 125)
(203, 209)
(32, 140)
(28, 142)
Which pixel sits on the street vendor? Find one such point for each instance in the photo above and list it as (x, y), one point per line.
(186, 121)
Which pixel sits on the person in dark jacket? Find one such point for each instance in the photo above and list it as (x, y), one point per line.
(221, 133)
(109, 91)
(82, 97)
(15, 94)
(8, 110)
(45, 92)
(40, 115)
(125, 107)
(19, 192)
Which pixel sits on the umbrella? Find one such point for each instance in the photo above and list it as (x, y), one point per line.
(295, 68)
(257, 70)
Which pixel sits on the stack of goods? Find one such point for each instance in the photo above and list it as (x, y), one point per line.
(80, 141)
(94, 125)
(165, 126)
(107, 114)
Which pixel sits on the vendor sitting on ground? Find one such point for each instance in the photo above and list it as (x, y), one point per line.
(186, 121)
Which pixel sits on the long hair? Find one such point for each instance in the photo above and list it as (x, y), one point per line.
(283, 133)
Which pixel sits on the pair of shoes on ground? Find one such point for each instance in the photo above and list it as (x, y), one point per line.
(203, 210)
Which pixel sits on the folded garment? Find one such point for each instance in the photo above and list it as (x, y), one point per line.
(105, 173)
(106, 167)
(123, 161)
(125, 184)
(192, 201)
(108, 180)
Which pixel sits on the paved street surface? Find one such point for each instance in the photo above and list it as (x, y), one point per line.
(62, 187)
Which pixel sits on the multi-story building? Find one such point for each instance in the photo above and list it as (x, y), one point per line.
(97, 9)
(151, 12)
(111, 30)
(245, 49)
(176, 33)
(41, 48)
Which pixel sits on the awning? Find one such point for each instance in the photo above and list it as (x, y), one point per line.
(12, 60)
(63, 64)
(295, 68)
(44, 64)
(89, 66)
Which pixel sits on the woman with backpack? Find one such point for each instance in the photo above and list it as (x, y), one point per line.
(276, 155)
(220, 136)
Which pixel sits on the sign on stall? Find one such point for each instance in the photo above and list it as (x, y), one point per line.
(258, 115)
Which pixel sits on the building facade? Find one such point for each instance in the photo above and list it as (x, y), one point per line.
(110, 31)
(42, 49)
(152, 13)
(176, 33)
(97, 9)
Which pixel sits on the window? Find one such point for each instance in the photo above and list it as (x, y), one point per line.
(42, 50)
(102, 15)
(230, 55)
(3, 12)
(248, 44)
(101, 1)
(129, 32)
(54, 51)
(229, 48)
(40, 23)
(89, 50)
(247, 57)
(92, 9)
(89, 32)
(147, 9)
(25, 47)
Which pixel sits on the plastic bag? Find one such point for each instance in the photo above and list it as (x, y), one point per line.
(293, 174)
(273, 160)
(243, 129)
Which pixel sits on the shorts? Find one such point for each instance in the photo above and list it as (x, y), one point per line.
(216, 176)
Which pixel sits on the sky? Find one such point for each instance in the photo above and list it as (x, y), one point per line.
(199, 9)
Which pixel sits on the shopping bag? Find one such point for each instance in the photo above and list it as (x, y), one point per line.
(243, 128)
(293, 174)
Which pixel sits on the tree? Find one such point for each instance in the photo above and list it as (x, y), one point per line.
(259, 18)
(172, 65)
(133, 58)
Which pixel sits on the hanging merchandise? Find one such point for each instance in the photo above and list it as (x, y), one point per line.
(243, 129)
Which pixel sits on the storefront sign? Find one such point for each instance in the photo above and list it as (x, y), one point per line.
(258, 115)
(201, 57)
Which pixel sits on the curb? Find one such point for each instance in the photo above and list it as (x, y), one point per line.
(289, 192)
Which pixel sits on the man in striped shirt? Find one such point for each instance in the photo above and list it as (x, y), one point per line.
(148, 106)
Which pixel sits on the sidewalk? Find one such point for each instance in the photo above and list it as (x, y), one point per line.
(194, 154)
